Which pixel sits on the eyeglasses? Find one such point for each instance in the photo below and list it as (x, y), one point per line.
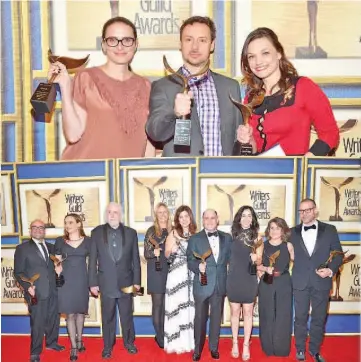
(113, 41)
(306, 211)
(41, 228)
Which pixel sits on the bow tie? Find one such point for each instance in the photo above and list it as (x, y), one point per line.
(309, 227)
(213, 234)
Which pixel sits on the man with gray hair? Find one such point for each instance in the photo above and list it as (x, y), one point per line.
(114, 268)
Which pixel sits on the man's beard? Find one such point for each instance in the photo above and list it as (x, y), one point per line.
(113, 223)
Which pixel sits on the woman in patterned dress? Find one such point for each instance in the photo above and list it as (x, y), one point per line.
(179, 302)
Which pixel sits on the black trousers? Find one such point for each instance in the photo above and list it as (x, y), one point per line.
(44, 319)
(158, 313)
(216, 302)
(318, 299)
(125, 308)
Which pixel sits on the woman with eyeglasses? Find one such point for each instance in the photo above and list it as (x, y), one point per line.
(284, 105)
(105, 108)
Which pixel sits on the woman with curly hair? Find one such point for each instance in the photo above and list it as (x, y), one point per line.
(275, 290)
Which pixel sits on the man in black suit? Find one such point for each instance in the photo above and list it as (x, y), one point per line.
(312, 241)
(32, 258)
(114, 264)
(214, 292)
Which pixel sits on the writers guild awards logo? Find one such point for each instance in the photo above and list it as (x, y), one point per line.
(230, 201)
(337, 190)
(151, 194)
(47, 199)
(336, 297)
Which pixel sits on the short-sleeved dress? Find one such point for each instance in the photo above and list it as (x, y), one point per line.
(116, 115)
(73, 296)
(241, 285)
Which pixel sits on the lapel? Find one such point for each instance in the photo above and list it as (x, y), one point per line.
(298, 230)
(36, 249)
(208, 246)
(122, 241)
(320, 231)
(221, 246)
(106, 243)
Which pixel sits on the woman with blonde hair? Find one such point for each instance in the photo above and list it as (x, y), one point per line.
(157, 267)
(73, 248)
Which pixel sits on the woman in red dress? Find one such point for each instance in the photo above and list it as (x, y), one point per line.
(284, 105)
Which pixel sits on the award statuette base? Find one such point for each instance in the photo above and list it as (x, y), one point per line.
(139, 292)
(59, 280)
(34, 300)
(43, 98)
(182, 134)
(252, 268)
(268, 278)
(310, 53)
(158, 266)
(204, 279)
(242, 149)
(335, 218)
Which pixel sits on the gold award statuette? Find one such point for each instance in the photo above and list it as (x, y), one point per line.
(203, 258)
(59, 279)
(133, 290)
(44, 96)
(268, 278)
(333, 253)
(31, 281)
(182, 134)
(158, 266)
(252, 268)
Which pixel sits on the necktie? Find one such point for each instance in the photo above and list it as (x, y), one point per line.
(44, 251)
(213, 234)
(306, 228)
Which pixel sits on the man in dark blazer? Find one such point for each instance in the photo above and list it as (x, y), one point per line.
(214, 292)
(313, 242)
(33, 257)
(214, 118)
(114, 264)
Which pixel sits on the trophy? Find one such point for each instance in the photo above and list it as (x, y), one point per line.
(313, 51)
(151, 194)
(203, 258)
(268, 278)
(252, 267)
(230, 201)
(337, 189)
(182, 134)
(245, 149)
(336, 297)
(59, 279)
(44, 96)
(132, 290)
(333, 253)
(158, 266)
(49, 224)
(31, 281)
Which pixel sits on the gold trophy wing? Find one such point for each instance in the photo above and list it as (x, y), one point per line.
(273, 258)
(346, 182)
(348, 125)
(55, 260)
(71, 64)
(206, 254)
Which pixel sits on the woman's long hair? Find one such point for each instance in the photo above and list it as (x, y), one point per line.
(78, 220)
(236, 225)
(255, 85)
(178, 227)
(157, 228)
(282, 224)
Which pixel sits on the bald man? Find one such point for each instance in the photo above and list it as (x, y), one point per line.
(214, 292)
(114, 264)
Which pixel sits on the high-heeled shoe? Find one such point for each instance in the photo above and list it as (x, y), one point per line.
(73, 354)
(80, 346)
(246, 356)
(235, 351)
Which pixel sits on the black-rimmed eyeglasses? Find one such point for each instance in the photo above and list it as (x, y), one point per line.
(306, 211)
(41, 228)
(112, 41)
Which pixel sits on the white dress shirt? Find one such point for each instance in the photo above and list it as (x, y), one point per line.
(309, 237)
(214, 243)
(37, 242)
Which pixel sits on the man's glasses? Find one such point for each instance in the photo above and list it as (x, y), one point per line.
(306, 211)
(41, 228)
(113, 41)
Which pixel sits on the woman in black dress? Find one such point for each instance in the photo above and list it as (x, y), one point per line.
(275, 300)
(73, 247)
(242, 286)
(157, 267)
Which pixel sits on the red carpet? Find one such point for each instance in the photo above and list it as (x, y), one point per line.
(16, 349)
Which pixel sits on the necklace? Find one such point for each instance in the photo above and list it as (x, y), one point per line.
(74, 240)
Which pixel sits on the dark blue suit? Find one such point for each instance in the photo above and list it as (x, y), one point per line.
(211, 294)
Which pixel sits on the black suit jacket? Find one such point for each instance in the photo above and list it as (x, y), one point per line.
(28, 261)
(106, 272)
(304, 266)
(216, 271)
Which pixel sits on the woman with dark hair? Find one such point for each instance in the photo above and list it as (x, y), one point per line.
(283, 105)
(242, 283)
(157, 267)
(179, 301)
(73, 248)
(275, 291)
(105, 108)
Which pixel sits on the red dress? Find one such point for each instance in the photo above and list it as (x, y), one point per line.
(286, 119)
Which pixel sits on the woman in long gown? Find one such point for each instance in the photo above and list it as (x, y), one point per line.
(275, 300)
(179, 301)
